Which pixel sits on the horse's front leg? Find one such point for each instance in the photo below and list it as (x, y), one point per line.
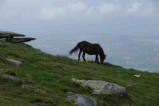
(84, 57)
(97, 60)
(79, 55)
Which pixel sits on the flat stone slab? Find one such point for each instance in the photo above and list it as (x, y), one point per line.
(102, 87)
(6, 34)
(82, 100)
(20, 40)
(14, 37)
(14, 62)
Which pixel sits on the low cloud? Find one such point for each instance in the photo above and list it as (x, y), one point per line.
(135, 7)
(148, 9)
(2, 2)
(49, 12)
(155, 4)
(62, 9)
(76, 9)
(95, 15)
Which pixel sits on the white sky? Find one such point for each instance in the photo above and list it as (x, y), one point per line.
(80, 15)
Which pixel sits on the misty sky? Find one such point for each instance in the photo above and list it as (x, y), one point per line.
(85, 16)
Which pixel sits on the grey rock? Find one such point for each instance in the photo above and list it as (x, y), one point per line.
(82, 100)
(27, 86)
(102, 87)
(7, 34)
(3, 45)
(19, 40)
(10, 37)
(14, 62)
(2, 39)
(9, 77)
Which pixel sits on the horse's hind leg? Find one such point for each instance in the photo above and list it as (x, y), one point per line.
(79, 55)
(97, 60)
(84, 56)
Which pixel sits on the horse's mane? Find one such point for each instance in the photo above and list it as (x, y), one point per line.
(102, 51)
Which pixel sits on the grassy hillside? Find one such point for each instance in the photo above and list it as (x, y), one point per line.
(49, 79)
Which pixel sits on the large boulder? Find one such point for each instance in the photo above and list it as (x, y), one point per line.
(14, 62)
(82, 100)
(102, 87)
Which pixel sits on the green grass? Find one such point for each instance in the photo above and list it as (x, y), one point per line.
(51, 78)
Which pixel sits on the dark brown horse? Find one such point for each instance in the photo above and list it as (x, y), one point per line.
(89, 48)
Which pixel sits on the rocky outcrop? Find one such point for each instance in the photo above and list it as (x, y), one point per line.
(15, 62)
(19, 40)
(14, 37)
(8, 34)
(102, 87)
(82, 100)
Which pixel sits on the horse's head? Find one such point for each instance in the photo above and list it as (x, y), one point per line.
(102, 58)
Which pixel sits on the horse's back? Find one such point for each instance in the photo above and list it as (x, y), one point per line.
(86, 43)
(96, 44)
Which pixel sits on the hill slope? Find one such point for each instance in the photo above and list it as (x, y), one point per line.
(46, 79)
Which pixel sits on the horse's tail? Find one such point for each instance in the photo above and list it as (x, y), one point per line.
(75, 48)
